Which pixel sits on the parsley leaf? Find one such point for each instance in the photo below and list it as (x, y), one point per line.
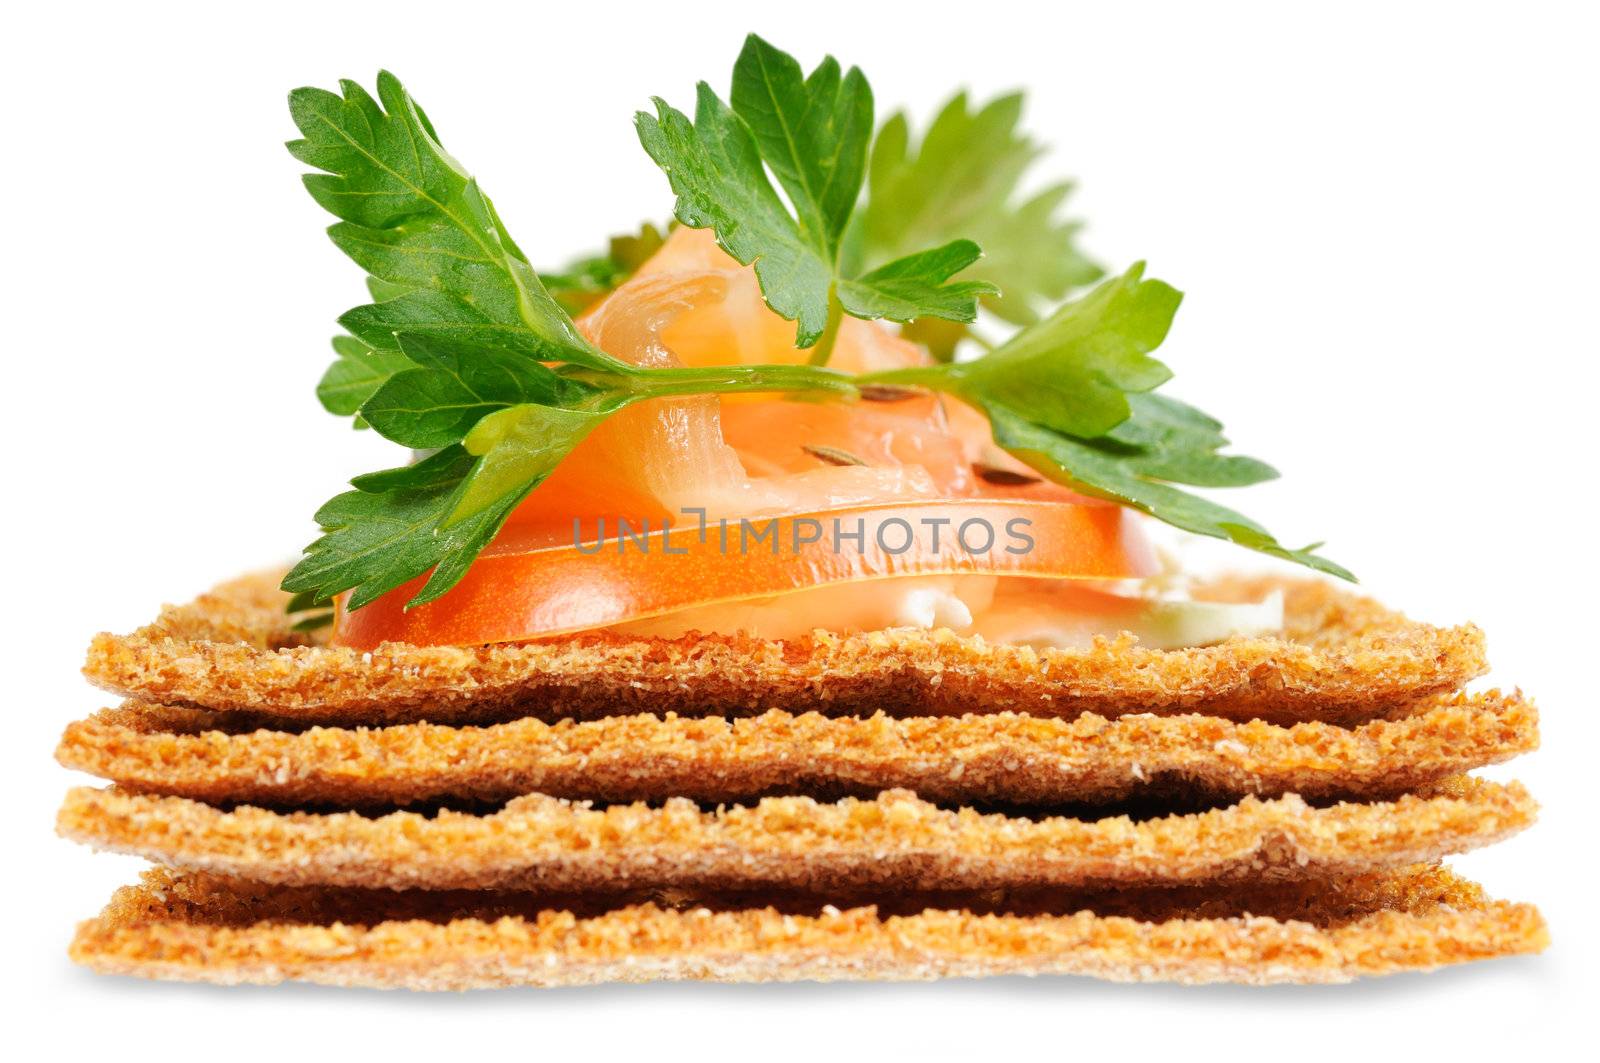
(813, 133)
(1074, 370)
(387, 532)
(1136, 477)
(359, 372)
(438, 514)
(1072, 397)
(520, 446)
(961, 180)
(413, 219)
(460, 330)
(1174, 441)
(451, 387)
(914, 285)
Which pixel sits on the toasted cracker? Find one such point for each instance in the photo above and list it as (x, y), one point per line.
(1005, 757)
(1343, 658)
(200, 928)
(894, 839)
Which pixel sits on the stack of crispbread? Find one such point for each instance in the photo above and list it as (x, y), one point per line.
(886, 805)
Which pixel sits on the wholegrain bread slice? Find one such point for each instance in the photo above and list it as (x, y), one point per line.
(197, 927)
(894, 840)
(1005, 757)
(1343, 658)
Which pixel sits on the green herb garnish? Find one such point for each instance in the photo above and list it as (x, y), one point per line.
(961, 178)
(811, 131)
(465, 352)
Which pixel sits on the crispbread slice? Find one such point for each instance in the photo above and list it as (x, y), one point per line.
(196, 927)
(893, 840)
(1343, 658)
(1005, 757)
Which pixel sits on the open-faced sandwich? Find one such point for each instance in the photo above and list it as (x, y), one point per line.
(773, 596)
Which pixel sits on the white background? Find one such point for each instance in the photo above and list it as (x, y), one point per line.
(1385, 220)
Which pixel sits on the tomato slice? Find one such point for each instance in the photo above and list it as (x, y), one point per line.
(521, 588)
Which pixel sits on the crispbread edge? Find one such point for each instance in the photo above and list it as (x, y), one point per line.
(1435, 919)
(1000, 757)
(1344, 659)
(895, 839)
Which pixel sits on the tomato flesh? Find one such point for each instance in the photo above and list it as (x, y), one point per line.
(516, 591)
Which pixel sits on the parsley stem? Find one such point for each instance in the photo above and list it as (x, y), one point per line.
(823, 350)
(937, 377)
(726, 379)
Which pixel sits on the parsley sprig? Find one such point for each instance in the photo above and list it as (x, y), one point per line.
(962, 177)
(466, 353)
(812, 132)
